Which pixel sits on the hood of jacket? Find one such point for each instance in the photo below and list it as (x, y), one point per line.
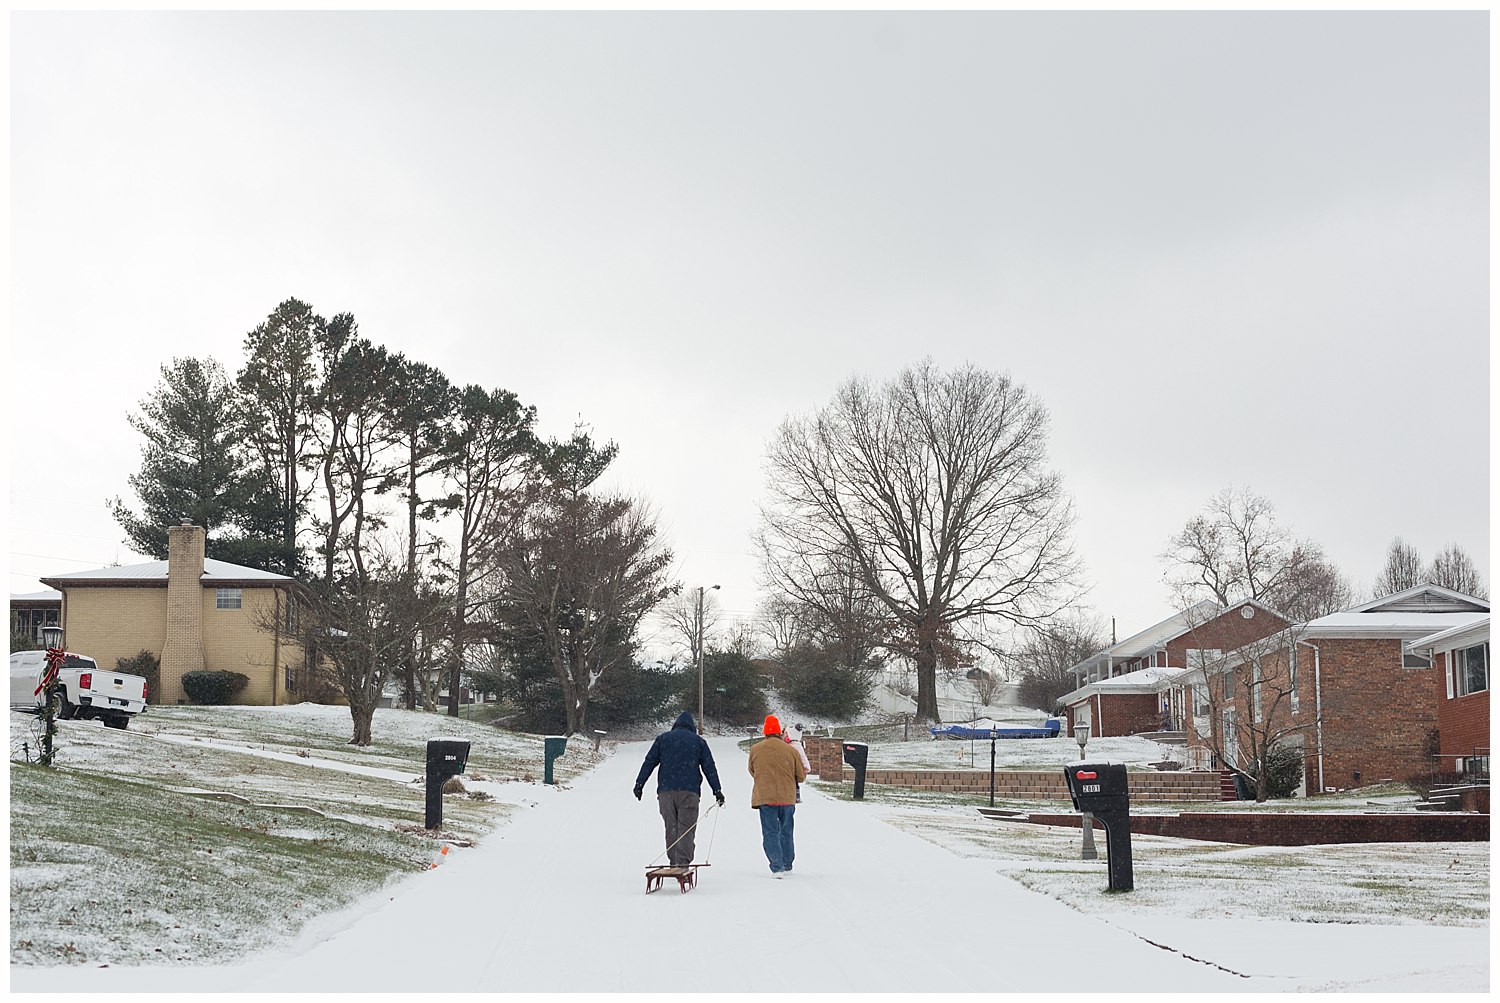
(685, 720)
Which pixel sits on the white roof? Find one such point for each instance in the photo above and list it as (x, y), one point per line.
(1148, 680)
(157, 571)
(43, 596)
(1147, 641)
(1454, 637)
(1425, 595)
(1407, 615)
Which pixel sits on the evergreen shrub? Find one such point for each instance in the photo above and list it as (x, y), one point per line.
(213, 686)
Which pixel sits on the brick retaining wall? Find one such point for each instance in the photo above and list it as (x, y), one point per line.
(1045, 784)
(1297, 828)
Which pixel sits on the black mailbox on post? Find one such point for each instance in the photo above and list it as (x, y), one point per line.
(857, 754)
(446, 757)
(1102, 790)
(553, 747)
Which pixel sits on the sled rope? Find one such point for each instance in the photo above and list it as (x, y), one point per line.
(689, 829)
(711, 834)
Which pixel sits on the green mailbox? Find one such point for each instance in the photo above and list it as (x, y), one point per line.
(556, 745)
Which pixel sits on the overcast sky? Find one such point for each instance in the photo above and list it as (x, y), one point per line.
(1223, 249)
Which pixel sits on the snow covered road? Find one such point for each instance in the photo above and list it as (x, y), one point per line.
(554, 901)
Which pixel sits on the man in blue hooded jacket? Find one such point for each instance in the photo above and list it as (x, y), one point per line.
(684, 759)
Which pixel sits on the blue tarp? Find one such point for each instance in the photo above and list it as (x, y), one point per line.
(982, 729)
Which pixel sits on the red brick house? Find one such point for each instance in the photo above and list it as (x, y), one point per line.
(1461, 658)
(1136, 685)
(1366, 700)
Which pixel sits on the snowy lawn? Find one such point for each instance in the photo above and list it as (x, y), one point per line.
(124, 853)
(1437, 884)
(889, 752)
(924, 753)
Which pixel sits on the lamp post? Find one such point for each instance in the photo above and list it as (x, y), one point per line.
(993, 735)
(699, 633)
(1081, 735)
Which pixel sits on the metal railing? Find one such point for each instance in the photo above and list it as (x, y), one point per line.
(1196, 757)
(1452, 769)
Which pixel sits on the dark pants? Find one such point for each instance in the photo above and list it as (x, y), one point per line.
(776, 835)
(679, 810)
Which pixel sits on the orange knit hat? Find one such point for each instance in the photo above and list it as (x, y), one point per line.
(773, 726)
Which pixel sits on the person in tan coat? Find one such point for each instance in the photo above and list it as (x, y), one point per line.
(777, 770)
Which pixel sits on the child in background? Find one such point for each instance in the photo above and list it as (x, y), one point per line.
(794, 739)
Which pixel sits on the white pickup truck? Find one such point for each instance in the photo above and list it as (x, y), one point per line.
(82, 690)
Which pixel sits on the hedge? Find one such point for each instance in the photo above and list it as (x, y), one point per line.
(210, 686)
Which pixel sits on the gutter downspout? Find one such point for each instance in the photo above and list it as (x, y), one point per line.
(1317, 706)
(275, 645)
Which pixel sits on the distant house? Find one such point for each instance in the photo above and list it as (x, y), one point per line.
(1461, 657)
(192, 613)
(31, 611)
(1136, 685)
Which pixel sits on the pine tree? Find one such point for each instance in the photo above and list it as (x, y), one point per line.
(196, 465)
(279, 382)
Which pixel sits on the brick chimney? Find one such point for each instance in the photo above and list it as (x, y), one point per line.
(182, 650)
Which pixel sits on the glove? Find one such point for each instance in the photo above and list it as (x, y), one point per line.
(719, 797)
(637, 792)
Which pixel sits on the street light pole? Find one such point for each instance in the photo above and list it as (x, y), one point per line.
(1081, 734)
(699, 633)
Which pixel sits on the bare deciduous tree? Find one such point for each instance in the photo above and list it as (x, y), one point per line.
(679, 617)
(1402, 569)
(780, 623)
(1454, 569)
(1312, 586)
(1235, 549)
(935, 487)
(1242, 703)
(742, 637)
(360, 625)
(1047, 653)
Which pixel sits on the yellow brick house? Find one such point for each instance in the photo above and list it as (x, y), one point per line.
(192, 613)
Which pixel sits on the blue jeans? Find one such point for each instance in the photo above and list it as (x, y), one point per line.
(776, 835)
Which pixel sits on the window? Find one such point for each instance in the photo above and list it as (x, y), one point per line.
(227, 599)
(1203, 658)
(291, 678)
(1200, 700)
(1411, 660)
(1291, 669)
(291, 614)
(1471, 669)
